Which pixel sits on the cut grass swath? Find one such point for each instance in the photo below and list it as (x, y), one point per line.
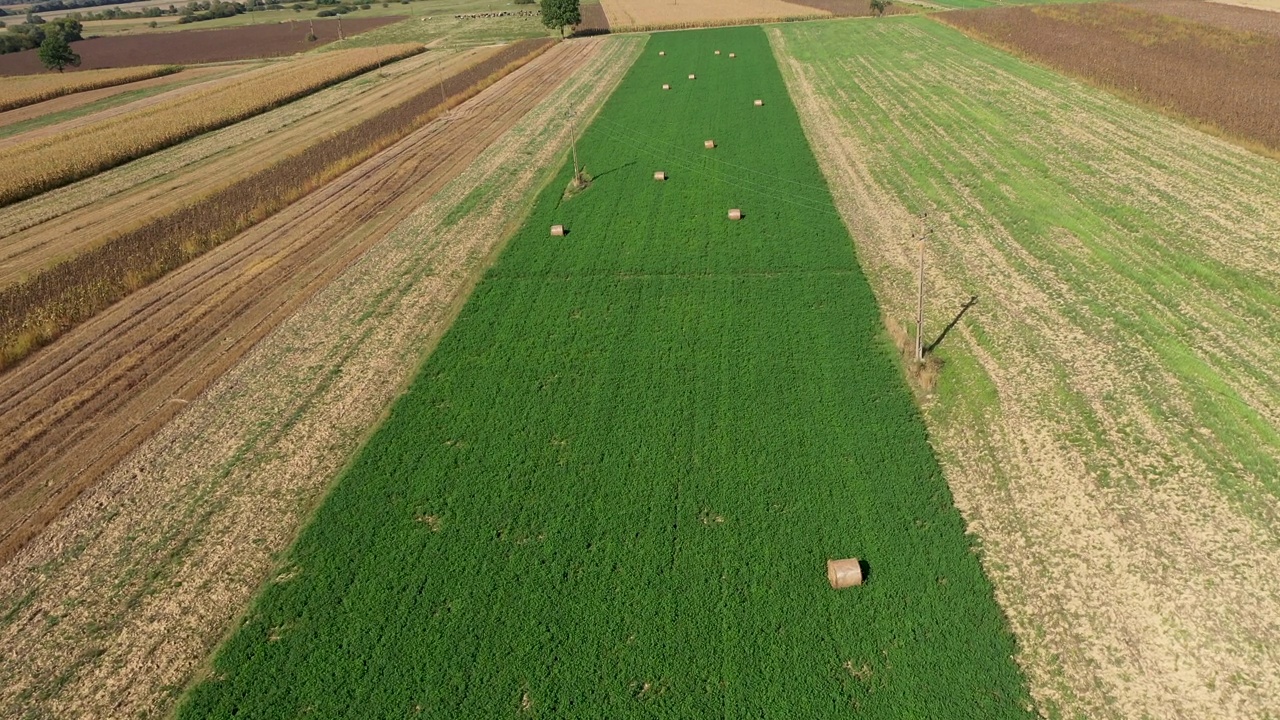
(613, 489)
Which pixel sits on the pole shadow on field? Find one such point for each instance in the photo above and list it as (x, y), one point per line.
(610, 171)
(973, 300)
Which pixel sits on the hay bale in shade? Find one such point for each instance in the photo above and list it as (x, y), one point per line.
(735, 214)
(844, 573)
(759, 103)
(692, 76)
(660, 175)
(557, 230)
(666, 86)
(709, 144)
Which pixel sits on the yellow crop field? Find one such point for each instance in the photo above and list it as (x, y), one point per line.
(661, 13)
(31, 168)
(24, 90)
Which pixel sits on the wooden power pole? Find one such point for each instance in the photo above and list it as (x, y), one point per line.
(924, 234)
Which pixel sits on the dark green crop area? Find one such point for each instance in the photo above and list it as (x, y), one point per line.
(612, 490)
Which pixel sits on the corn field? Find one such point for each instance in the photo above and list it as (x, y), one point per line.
(34, 167)
(23, 90)
(39, 309)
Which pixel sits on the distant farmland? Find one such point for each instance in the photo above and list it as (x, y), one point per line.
(1206, 71)
(198, 46)
(612, 488)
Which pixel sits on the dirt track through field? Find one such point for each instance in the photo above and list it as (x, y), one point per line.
(147, 571)
(27, 246)
(79, 406)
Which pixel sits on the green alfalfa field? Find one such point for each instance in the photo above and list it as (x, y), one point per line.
(612, 489)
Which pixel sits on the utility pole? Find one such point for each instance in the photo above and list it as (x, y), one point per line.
(573, 144)
(924, 234)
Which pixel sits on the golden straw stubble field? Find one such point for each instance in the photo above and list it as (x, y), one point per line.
(27, 89)
(147, 571)
(625, 14)
(31, 168)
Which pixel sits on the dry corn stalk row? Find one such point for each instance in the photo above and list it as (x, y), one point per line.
(23, 90)
(34, 312)
(41, 165)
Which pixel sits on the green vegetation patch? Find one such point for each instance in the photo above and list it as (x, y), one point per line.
(612, 489)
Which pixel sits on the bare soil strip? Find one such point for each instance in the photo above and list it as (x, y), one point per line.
(146, 572)
(1109, 415)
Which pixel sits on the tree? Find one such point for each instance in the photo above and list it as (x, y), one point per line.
(879, 6)
(56, 53)
(559, 13)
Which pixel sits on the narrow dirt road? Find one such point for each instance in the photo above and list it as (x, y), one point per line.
(83, 403)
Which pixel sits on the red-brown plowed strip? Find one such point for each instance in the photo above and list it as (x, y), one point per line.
(594, 21)
(191, 47)
(83, 403)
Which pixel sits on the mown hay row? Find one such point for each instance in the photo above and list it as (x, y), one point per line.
(34, 312)
(32, 168)
(16, 92)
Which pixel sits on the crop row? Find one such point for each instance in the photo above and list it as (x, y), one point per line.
(34, 167)
(24, 90)
(612, 488)
(1212, 74)
(37, 310)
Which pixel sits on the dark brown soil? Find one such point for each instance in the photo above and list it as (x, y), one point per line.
(594, 21)
(189, 47)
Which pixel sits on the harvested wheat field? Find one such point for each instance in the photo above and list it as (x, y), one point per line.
(640, 14)
(1108, 413)
(77, 105)
(346, 303)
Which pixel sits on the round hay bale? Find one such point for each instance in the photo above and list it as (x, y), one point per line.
(844, 573)
(709, 144)
(692, 76)
(557, 231)
(666, 86)
(717, 52)
(732, 55)
(660, 175)
(735, 214)
(662, 52)
(759, 103)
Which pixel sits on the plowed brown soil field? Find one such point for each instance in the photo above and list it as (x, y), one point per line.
(149, 570)
(73, 410)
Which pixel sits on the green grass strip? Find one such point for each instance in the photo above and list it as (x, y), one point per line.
(611, 491)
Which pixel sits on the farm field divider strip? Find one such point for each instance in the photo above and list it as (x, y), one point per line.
(38, 310)
(611, 490)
